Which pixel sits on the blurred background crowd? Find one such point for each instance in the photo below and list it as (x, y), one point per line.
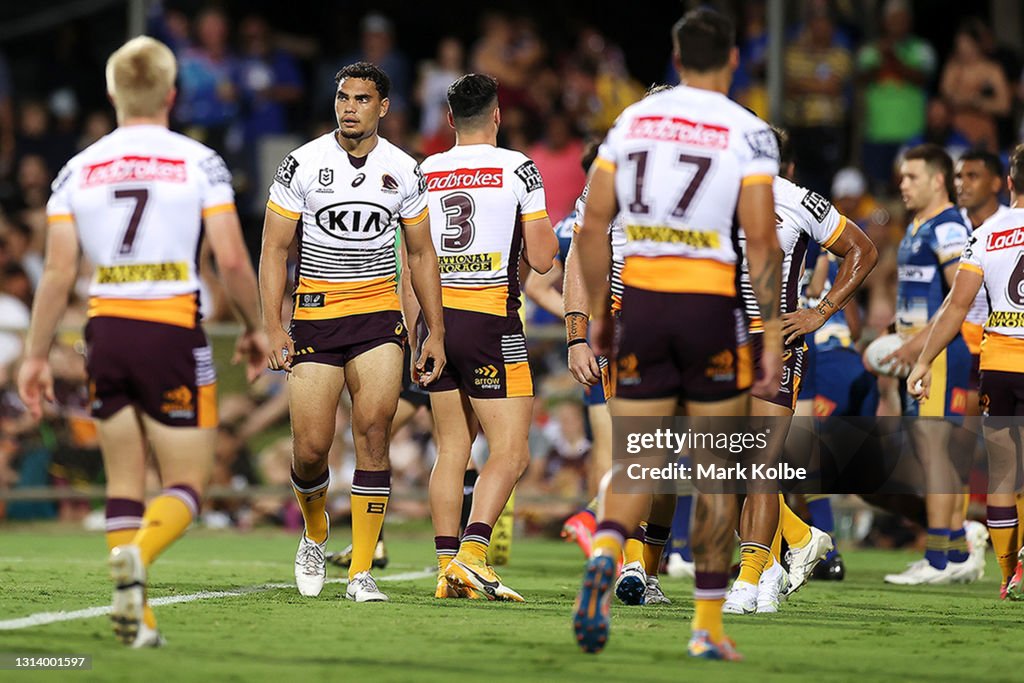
(863, 79)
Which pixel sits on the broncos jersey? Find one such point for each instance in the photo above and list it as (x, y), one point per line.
(679, 159)
(137, 198)
(996, 252)
(617, 241)
(974, 323)
(480, 196)
(348, 210)
(800, 217)
(927, 248)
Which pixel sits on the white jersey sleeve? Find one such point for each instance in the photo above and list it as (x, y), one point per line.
(59, 205)
(286, 195)
(217, 194)
(530, 191)
(414, 200)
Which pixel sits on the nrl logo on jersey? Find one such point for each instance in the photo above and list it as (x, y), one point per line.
(353, 220)
(326, 176)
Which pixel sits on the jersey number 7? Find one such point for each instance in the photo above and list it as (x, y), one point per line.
(140, 196)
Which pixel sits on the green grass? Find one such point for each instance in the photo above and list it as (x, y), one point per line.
(859, 630)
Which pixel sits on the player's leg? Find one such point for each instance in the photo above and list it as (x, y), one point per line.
(123, 446)
(580, 526)
(506, 424)
(313, 392)
(656, 534)
(374, 380)
(453, 432)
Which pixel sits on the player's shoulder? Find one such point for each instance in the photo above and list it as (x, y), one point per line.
(313, 148)
(395, 156)
(1005, 220)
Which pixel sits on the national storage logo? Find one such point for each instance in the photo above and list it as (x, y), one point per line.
(469, 263)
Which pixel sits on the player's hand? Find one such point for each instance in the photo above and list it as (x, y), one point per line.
(253, 348)
(919, 383)
(602, 336)
(902, 359)
(35, 382)
(281, 350)
(583, 365)
(800, 322)
(771, 378)
(431, 360)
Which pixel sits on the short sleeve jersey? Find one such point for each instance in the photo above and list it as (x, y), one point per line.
(800, 217)
(996, 252)
(617, 240)
(349, 211)
(680, 158)
(927, 248)
(137, 198)
(479, 198)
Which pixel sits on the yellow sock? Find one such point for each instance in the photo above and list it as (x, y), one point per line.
(634, 551)
(312, 498)
(442, 562)
(370, 493)
(754, 558)
(606, 544)
(167, 517)
(707, 616)
(1020, 516)
(1004, 543)
(777, 543)
(794, 530)
(474, 551)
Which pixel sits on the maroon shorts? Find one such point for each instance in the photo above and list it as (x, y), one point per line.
(974, 376)
(336, 341)
(792, 372)
(1002, 393)
(163, 370)
(486, 355)
(690, 346)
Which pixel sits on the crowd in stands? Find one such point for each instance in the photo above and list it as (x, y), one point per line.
(858, 89)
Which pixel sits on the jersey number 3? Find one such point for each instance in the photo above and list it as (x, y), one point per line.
(459, 230)
(140, 197)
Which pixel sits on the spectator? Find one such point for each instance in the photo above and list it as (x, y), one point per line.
(37, 137)
(510, 53)
(208, 83)
(270, 81)
(97, 124)
(18, 250)
(939, 129)
(975, 88)
(818, 71)
(6, 119)
(558, 159)
(749, 81)
(432, 89)
(894, 71)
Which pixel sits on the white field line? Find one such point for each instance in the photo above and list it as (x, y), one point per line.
(44, 618)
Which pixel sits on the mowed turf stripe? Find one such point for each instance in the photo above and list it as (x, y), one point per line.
(44, 618)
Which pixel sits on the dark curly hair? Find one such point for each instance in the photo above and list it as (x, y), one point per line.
(369, 72)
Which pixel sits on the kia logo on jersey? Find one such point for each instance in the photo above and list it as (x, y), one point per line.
(354, 220)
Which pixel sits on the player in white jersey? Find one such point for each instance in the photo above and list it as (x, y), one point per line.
(994, 260)
(343, 196)
(681, 166)
(138, 203)
(801, 216)
(489, 214)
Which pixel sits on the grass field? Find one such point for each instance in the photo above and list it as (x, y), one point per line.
(859, 630)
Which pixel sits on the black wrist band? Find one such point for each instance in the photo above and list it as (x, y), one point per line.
(579, 313)
(574, 342)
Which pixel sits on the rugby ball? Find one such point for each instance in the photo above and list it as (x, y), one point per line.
(880, 349)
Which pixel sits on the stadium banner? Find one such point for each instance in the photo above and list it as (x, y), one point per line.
(837, 455)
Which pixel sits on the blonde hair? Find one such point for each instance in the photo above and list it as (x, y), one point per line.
(140, 74)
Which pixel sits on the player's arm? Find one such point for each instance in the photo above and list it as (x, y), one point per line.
(859, 258)
(945, 325)
(539, 244)
(594, 250)
(426, 284)
(224, 235)
(35, 381)
(756, 210)
(278, 233)
(543, 290)
(582, 360)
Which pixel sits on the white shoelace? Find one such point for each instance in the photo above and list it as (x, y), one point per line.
(311, 557)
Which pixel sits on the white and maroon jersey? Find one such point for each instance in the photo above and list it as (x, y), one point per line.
(137, 198)
(679, 158)
(479, 198)
(996, 252)
(800, 216)
(974, 323)
(348, 210)
(617, 240)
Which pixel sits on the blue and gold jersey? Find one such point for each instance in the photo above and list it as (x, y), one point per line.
(927, 248)
(564, 232)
